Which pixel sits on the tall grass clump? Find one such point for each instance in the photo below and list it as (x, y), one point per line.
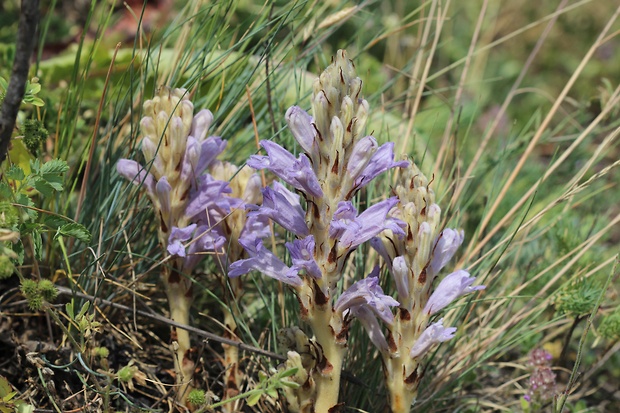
(310, 229)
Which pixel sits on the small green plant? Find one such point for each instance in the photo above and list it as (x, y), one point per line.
(578, 298)
(33, 87)
(8, 402)
(610, 326)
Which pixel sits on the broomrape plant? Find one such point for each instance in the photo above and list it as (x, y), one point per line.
(197, 213)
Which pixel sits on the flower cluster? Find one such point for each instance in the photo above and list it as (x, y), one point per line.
(414, 262)
(542, 385)
(198, 212)
(338, 160)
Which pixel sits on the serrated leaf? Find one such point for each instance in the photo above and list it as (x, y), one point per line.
(44, 187)
(55, 181)
(23, 199)
(18, 249)
(15, 173)
(5, 386)
(54, 221)
(253, 399)
(5, 190)
(55, 166)
(74, 230)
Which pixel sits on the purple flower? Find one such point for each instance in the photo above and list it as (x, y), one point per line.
(177, 237)
(361, 154)
(134, 172)
(381, 161)
(449, 289)
(447, 244)
(163, 188)
(209, 195)
(401, 273)
(353, 231)
(282, 206)
(434, 333)
(300, 124)
(368, 292)
(200, 124)
(263, 260)
(204, 239)
(256, 227)
(371, 325)
(302, 255)
(296, 172)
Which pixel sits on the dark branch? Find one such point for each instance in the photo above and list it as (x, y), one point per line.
(28, 21)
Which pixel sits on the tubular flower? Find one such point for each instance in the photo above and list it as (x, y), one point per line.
(453, 286)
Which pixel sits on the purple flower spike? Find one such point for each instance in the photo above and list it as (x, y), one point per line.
(300, 124)
(367, 225)
(282, 206)
(134, 172)
(455, 285)
(368, 292)
(177, 237)
(447, 244)
(381, 161)
(302, 255)
(435, 333)
(263, 260)
(296, 172)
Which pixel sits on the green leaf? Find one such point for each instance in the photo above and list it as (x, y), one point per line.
(37, 242)
(54, 221)
(25, 200)
(23, 407)
(5, 386)
(45, 188)
(36, 101)
(33, 88)
(74, 230)
(55, 166)
(253, 399)
(3, 83)
(84, 309)
(55, 181)
(69, 309)
(15, 172)
(18, 249)
(289, 372)
(5, 190)
(273, 393)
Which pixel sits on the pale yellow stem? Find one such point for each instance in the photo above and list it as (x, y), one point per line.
(180, 301)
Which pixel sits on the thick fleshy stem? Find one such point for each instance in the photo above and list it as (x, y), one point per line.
(180, 301)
